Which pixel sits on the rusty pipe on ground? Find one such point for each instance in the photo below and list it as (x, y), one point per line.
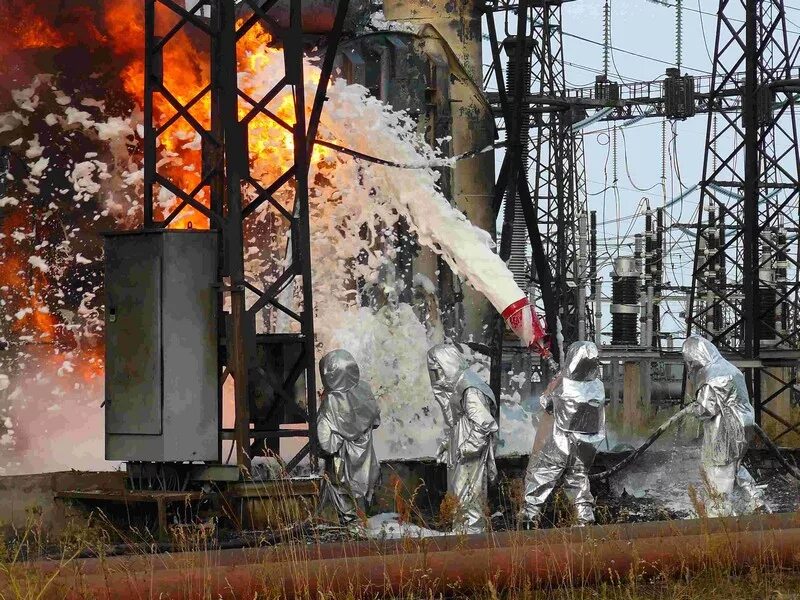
(296, 550)
(573, 560)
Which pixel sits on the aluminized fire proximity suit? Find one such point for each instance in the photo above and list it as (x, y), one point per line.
(577, 401)
(468, 450)
(347, 415)
(722, 403)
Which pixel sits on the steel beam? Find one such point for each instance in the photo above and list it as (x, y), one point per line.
(228, 194)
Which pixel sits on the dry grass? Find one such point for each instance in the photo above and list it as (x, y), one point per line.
(716, 580)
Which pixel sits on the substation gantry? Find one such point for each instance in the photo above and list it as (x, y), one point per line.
(745, 293)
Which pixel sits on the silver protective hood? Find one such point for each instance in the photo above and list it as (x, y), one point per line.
(351, 406)
(699, 354)
(467, 402)
(723, 405)
(445, 364)
(582, 362)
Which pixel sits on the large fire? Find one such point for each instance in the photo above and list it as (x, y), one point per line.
(185, 77)
(78, 131)
(53, 304)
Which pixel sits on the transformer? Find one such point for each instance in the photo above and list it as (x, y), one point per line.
(604, 89)
(162, 368)
(625, 302)
(678, 95)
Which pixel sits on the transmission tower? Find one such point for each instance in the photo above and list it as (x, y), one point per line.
(512, 186)
(745, 291)
(540, 185)
(554, 174)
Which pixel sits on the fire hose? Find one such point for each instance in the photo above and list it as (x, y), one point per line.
(522, 318)
(441, 162)
(640, 450)
(790, 469)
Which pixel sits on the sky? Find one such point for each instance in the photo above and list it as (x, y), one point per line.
(647, 28)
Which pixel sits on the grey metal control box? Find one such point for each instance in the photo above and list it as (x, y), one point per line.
(162, 371)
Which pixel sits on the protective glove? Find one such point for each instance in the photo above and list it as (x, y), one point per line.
(441, 453)
(696, 410)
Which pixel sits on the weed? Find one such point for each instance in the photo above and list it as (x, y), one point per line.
(717, 578)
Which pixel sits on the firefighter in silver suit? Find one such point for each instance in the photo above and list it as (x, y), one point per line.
(722, 403)
(576, 398)
(468, 450)
(347, 415)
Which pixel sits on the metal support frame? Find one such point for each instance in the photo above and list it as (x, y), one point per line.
(513, 182)
(554, 176)
(226, 193)
(753, 185)
(647, 99)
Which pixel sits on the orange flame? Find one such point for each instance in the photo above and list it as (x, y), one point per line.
(25, 28)
(185, 74)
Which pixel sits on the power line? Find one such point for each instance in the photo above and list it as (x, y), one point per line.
(596, 71)
(615, 49)
(713, 15)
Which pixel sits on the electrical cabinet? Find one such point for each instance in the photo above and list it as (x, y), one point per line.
(162, 369)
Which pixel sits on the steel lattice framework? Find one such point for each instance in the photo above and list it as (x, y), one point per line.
(745, 293)
(228, 195)
(541, 183)
(512, 188)
(554, 172)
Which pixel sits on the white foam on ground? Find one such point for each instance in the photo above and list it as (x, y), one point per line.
(389, 526)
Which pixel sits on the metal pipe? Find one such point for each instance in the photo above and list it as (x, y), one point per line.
(587, 560)
(300, 550)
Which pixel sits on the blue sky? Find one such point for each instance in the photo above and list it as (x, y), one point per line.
(648, 28)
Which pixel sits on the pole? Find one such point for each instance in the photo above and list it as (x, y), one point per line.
(237, 167)
(751, 173)
(149, 125)
(302, 159)
(579, 275)
(750, 301)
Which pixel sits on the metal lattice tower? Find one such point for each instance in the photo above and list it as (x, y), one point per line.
(539, 173)
(745, 293)
(227, 194)
(554, 174)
